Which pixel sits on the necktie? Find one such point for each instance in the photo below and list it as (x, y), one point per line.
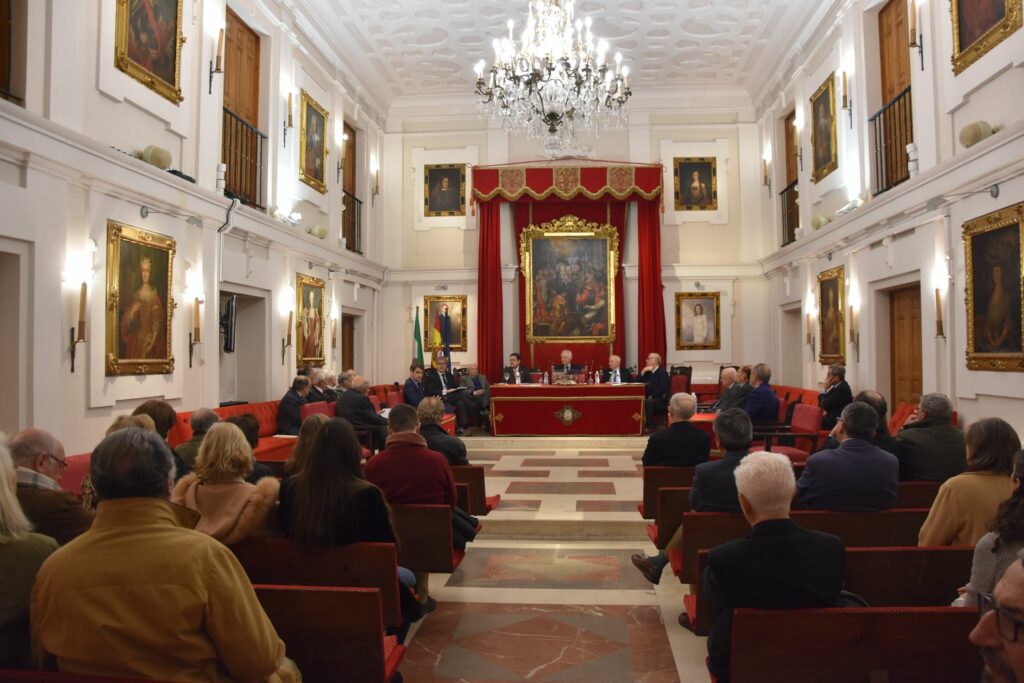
(476, 382)
(516, 373)
(616, 378)
(444, 385)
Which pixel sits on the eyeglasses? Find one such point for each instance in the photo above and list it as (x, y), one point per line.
(1009, 628)
(63, 465)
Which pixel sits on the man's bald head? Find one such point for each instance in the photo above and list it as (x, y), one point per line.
(729, 376)
(28, 445)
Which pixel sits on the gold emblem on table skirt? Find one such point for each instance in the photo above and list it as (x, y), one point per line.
(567, 414)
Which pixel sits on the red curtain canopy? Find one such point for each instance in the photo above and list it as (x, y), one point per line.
(523, 183)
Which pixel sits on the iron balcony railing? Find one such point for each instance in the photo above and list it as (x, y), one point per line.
(352, 222)
(243, 150)
(790, 212)
(893, 129)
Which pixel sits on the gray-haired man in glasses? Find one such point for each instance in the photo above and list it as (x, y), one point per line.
(1000, 630)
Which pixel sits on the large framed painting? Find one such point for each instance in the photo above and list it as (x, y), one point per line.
(313, 143)
(696, 183)
(698, 321)
(980, 25)
(995, 321)
(444, 322)
(823, 130)
(140, 303)
(569, 266)
(147, 44)
(444, 190)
(831, 322)
(310, 304)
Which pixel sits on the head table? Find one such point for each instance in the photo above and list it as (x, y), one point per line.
(567, 409)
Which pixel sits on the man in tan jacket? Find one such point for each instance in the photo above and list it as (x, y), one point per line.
(142, 594)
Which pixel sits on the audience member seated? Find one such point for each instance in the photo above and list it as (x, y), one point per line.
(743, 376)
(355, 406)
(127, 421)
(734, 394)
(200, 420)
(931, 447)
(998, 634)
(714, 486)
(615, 373)
(478, 389)
(998, 549)
(967, 503)
(515, 373)
(779, 565)
(141, 594)
(311, 426)
(319, 391)
(232, 509)
(881, 437)
(682, 444)
(289, 411)
(39, 459)
(413, 392)
(762, 403)
(565, 365)
(856, 476)
(657, 381)
(250, 426)
(21, 554)
(439, 381)
(835, 396)
(164, 416)
(430, 412)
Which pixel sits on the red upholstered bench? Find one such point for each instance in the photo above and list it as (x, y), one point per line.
(76, 470)
(271, 447)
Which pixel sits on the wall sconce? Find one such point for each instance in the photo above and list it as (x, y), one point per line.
(847, 100)
(341, 157)
(193, 337)
(219, 68)
(800, 156)
(376, 185)
(939, 330)
(810, 332)
(767, 181)
(287, 345)
(74, 342)
(854, 337)
(287, 122)
(79, 268)
(916, 35)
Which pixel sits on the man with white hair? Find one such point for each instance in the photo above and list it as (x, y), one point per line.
(658, 386)
(565, 365)
(734, 394)
(318, 392)
(478, 390)
(682, 444)
(780, 565)
(616, 374)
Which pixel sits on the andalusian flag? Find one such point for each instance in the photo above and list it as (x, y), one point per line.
(417, 340)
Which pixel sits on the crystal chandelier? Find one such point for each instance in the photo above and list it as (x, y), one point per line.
(556, 82)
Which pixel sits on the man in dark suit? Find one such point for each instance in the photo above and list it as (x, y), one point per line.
(779, 565)
(515, 373)
(836, 396)
(478, 389)
(856, 477)
(714, 486)
(289, 413)
(413, 391)
(932, 448)
(615, 373)
(881, 438)
(682, 444)
(319, 391)
(734, 394)
(657, 381)
(762, 404)
(566, 366)
(354, 405)
(439, 381)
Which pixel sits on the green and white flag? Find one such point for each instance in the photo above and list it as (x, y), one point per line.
(417, 340)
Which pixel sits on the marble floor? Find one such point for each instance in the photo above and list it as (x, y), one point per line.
(547, 592)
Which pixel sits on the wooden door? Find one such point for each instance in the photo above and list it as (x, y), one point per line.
(348, 339)
(6, 37)
(242, 70)
(349, 181)
(791, 148)
(894, 124)
(905, 345)
(894, 41)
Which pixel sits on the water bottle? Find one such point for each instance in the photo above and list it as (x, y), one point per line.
(545, 380)
(597, 377)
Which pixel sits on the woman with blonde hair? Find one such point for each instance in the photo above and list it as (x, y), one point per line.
(21, 554)
(231, 508)
(311, 426)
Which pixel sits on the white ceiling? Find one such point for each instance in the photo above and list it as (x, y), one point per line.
(411, 48)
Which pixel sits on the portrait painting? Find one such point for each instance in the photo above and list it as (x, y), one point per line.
(993, 261)
(980, 25)
(147, 44)
(313, 143)
(444, 190)
(696, 183)
(569, 267)
(823, 130)
(310, 307)
(140, 303)
(698, 324)
(444, 323)
(831, 322)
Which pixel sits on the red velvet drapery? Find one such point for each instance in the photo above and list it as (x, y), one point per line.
(651, 313)
(489, 306)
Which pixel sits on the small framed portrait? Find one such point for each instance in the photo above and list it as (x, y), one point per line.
(147, 44)
(444, 190)
(309, 324)
(696, 183)
(992, 250)
(698, 325)
(313, 143)
(980, 25)
(140, 304)
(823, 129)
(444, 322)
(831, 323)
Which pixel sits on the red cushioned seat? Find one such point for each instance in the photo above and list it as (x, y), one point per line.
(680, 384)
(675, 560)
(457, 557)
(393, 653)
(375, 400)
(690, 605)
(652, 533)
(640, 509)
(493, 501)
(76, 470)
(393, 399)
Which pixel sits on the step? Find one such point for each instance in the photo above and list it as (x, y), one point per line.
(564, 529)
(525, 443)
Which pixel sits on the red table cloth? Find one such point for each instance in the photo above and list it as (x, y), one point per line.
(567, 410)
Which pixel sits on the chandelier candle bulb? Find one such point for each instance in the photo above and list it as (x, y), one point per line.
(853, 335)
(913, 23)
(938, 313)
(290, 313)
(195, 320)
(845, 99)
(81, 312)
(220, 51)
(289, 110)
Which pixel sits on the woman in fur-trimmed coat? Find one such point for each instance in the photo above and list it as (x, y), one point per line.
(232, 509)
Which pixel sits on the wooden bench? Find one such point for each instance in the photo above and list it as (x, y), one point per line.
(656, 478)
(473, 476)
(283, 562)
(854, 645)
(333, 634)
(884, 577)
(425, 538)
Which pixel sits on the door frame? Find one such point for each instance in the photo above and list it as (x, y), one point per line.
(880, 345)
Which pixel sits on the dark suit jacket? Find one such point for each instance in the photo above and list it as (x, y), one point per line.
(932, 451)
(856, 477)
(733, 397)
(432, 381)
(833, 401)
(778, 566)
(508, 376)
(358, 410)
(315, 395)
(681, 445)
(573, 368)
(714, 486)
(881, 439)
(451, 447)
(413, 392)
(763, 404)
(657, 382)
(289, 418)
(624, 375)
(467, 381)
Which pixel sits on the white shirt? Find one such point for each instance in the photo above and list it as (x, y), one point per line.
(615, 377)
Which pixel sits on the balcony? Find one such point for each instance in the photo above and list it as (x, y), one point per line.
(893, 130)
(790, 212)
(243, 150)
(352, 222)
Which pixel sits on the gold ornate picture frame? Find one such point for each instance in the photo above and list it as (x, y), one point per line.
(696, 183)
(313, 121)
(147, 44)
(980, 25)
(310, 320)
(831, 320)
(444, 190)
(569, 266)
(698, 321)
(994, 290)
(140, 302)
(445, 316)
(824, 148)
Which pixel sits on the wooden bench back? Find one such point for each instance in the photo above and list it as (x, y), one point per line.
(425, 535)
(473, 477)
(657, 477)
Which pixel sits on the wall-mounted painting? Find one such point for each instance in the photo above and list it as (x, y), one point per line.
(313, 143)
(980, 25)
(995, 321)
(147, 44)
(140, 303)
(831, 322)
(698, 321)
(444, 190)
(696, 183)
(823, 129)
(310, 304)
(570, 265)
(444, 322)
